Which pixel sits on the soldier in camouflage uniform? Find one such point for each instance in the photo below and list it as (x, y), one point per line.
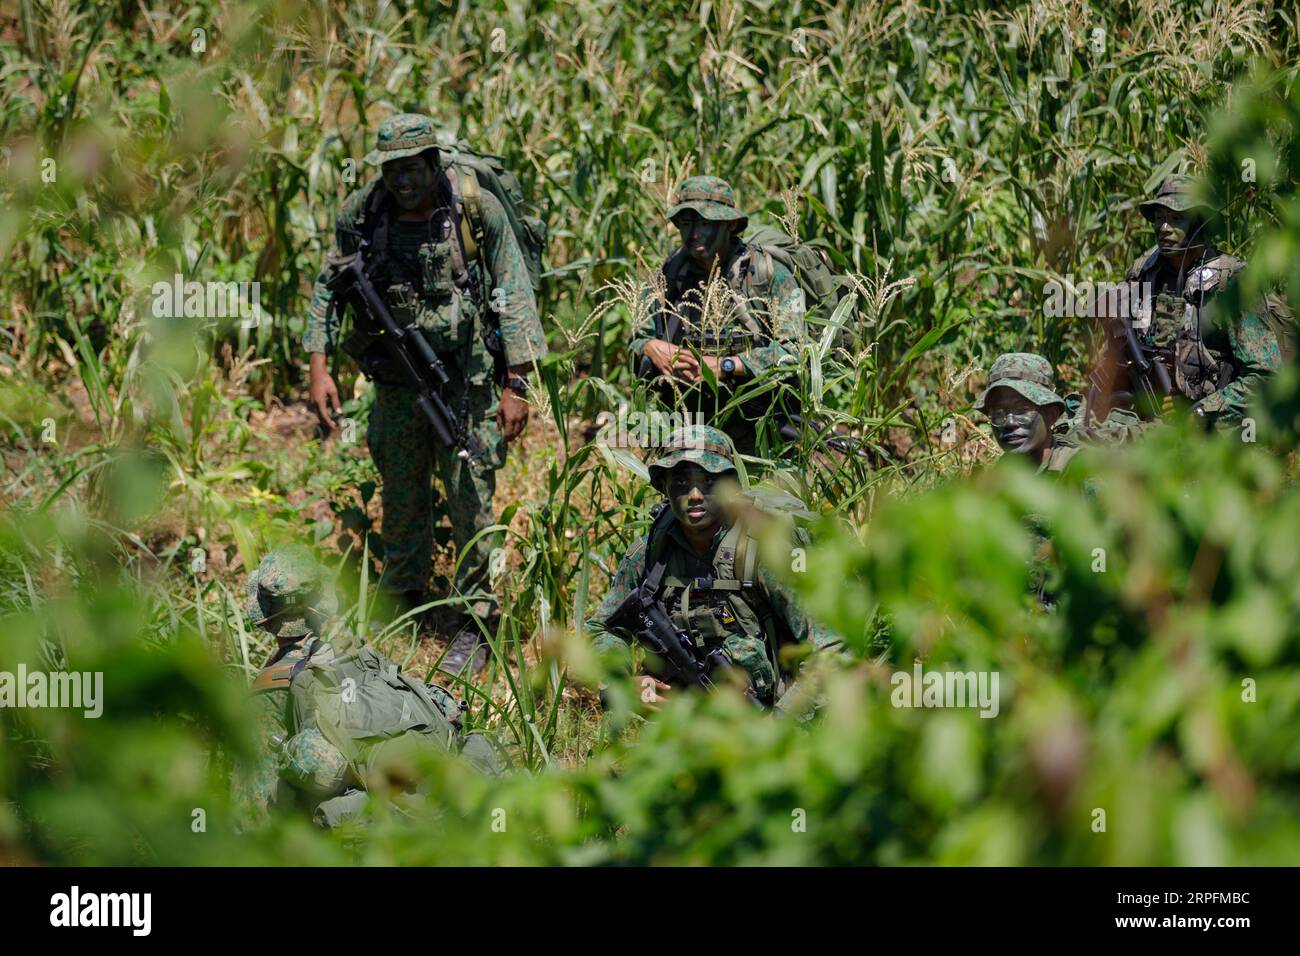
(334, 716)
(1215, 361)
(1030, 418)
(753, 334)
(414, 216)
(713, 584)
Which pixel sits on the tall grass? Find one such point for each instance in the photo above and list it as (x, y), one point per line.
(952, 157)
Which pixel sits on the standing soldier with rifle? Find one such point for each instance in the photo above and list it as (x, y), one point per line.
(445, 324)
(694, 592)
(1188, 348)
(743, 337)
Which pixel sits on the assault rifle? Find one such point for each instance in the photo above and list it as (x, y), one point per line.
(643, 616)
(1146, 369)
(349, 281)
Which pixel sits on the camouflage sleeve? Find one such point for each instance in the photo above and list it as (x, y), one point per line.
(785, 306)
(257, 780)
(627, 578)
(1256, 354)
(781, 599)
(522, 336)
(322, 333)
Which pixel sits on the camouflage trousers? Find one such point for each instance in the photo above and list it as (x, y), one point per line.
(408, 455)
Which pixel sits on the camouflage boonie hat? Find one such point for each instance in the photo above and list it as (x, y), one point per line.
(707, 447)
(1176, 192)
(1023, 372)
(406, 134)
(709, 196)
(287, 582)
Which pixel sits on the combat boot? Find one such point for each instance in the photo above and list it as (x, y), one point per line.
(468, 646)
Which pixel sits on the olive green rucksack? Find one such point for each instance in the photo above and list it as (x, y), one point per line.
(489, 172)
(361, 698)
(823, 289)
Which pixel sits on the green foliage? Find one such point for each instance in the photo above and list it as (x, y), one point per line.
(955, 159)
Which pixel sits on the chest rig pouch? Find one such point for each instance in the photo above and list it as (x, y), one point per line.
(1182, 329)
(1202, 354)
(724, 611)
(429, 281)
(743, 328)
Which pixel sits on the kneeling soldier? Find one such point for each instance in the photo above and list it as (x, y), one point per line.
(693, 590)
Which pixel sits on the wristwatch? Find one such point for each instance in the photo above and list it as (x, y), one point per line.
(517, 384)
(728, 367)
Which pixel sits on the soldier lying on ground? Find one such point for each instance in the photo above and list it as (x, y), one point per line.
(334, 721)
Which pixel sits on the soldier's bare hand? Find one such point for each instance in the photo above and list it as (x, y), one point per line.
(661, 355)
(685, 366)
(324, 393)
(512, 415)
(1167, 404)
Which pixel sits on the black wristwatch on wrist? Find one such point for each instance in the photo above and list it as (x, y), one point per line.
(517, 384)
(728, 367)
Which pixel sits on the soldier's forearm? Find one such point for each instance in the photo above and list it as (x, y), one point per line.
(764, 357)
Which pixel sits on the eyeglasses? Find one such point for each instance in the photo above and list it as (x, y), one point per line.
(1000, 415)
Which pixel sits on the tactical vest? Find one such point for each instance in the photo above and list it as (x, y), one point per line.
(749, 275)
(727, 609)
(1181, 329)
(441, 289)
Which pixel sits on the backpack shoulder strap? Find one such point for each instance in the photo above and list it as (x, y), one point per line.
(469, 196)
(761, 271)
(1142, 264)
(465, 248)
(374, 220)
(737, 555)
(672, 271)
(654, 545)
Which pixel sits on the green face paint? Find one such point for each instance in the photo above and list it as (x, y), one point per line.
(410, 180)
(1019, 425)
(703, 239)
(1174, 232)
(691, 493)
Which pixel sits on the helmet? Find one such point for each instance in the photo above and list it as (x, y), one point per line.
(288, 583)
(707, 447)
